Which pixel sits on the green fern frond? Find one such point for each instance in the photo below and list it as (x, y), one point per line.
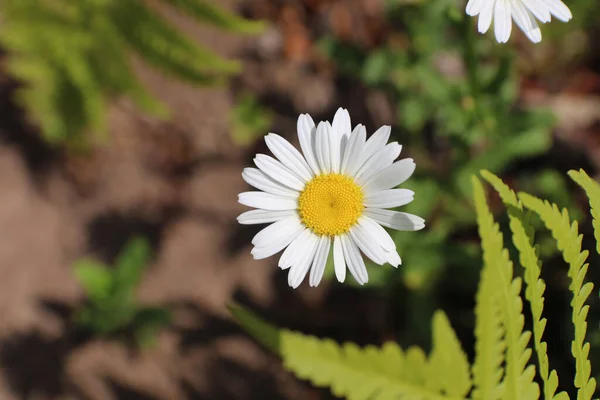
(592, 190)
(489, 345)
(568, 241)
(518, 380)
(448, 365)
(165, 47)
(356, 373)
(522, 233)
(83, 50)
(206, 12)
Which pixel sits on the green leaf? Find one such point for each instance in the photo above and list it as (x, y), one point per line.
(592, 190)
(529, 257)
(518, 381)
(348, 370)
(376, 68)
(206, 12)
(165, 47)
(489, 331)
(95, 278)
(148, 321)
(568, 241)
(449, 366)
(130, 265)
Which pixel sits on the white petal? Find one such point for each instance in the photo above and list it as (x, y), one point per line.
(355, 262)
(390, 176)
(277, 243)
(289, 156)
(335, 139)
(485, 17)
(539, 9)
(339, 261)
(381, 159)
(341, 122)
(377, 141)
(535, 34)
(266, 201)
(263, 216)
(353, 259)
(520, 16)
(356, 143)
(295, 250)
(375, 230)
(474, 7)
(389, 198)
(281, 228)
(301, 265)
(278, 171)
(306, 137)
(262, 181)
(400, 221)
(502, 20)
(367, 244)
(323, 151)
(559, 10)
(393, 258)
(526, 22)
(318, 266)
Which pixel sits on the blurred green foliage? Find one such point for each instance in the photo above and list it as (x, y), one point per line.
(112, 308)
(455, 96)
(73, 57)
(249, 119)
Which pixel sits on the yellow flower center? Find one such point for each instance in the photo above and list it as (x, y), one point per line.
(330, 204)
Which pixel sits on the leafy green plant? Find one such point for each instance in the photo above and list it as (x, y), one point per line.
(112, 308)
(503, 367)
(73, 57)
(456, 106)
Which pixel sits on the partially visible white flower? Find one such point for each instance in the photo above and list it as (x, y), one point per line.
(523, 12)
(335, 196)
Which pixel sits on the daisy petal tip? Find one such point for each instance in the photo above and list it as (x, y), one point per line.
(535, 37)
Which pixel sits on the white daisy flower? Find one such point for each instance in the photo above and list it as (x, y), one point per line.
(523, 12)
(335, 195)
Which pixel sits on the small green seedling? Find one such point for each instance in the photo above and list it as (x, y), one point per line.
(111, 308)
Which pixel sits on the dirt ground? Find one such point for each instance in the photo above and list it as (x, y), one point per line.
(176, 183)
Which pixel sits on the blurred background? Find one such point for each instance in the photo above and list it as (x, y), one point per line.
(124, 128)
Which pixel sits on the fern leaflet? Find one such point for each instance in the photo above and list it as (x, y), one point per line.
(449, 367)
(568, 241)
(204, 11)
(518, 381)
(592, 189)
(356, 373)
(528, 256)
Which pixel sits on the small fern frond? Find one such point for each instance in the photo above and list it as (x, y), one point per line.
(204, 11)
(518, 380)
(368, 373)
(568, 241)
(592, 190)
(448, 365)
(522, 233)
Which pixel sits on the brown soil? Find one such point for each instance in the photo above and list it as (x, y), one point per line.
(176, 183)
